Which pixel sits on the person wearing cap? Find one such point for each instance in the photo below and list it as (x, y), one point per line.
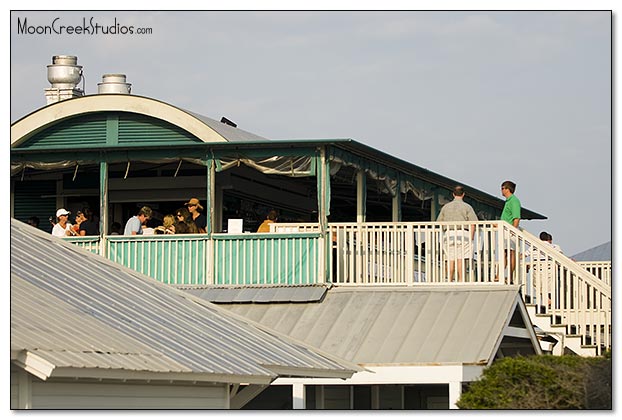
(134, 224)
(63, 227)
(194, 207)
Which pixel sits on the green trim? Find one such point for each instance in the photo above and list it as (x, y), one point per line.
(289, 235)
(103, 199)
(112, 130)
(263, 152)
(136, 129)
(71, 133)
(209, 206)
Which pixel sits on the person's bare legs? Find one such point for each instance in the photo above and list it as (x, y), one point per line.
(452, 269)
(459, 267)
(512, 265)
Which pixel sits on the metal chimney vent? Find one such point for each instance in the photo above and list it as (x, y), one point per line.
(114, 83)
(64, 74)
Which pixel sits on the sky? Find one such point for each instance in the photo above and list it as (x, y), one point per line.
(477, 96)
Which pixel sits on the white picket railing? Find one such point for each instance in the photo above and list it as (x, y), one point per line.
(417, 252)
(601, 269)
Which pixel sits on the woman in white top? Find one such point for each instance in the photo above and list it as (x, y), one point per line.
(63, 227)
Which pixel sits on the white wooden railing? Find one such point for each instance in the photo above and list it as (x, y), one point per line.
(601, 269)
(417, 252)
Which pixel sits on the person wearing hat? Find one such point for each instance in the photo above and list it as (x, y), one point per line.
(194, 207)
(63, 227)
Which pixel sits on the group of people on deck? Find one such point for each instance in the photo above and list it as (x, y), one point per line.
(84, 223)
(187, 219)
(457, 244)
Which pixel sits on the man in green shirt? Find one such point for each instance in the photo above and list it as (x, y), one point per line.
(511, 214)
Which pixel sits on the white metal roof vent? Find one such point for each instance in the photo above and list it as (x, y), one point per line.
(114, 83)
(64, 74)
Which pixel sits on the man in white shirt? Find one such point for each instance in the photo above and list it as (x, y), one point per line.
(135, 223)
(63, 227)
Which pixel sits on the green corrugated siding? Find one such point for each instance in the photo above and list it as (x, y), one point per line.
(85, 130)
(101, 129)
(139, 129)
(29, 200)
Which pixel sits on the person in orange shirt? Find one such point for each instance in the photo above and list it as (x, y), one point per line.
(265, 226)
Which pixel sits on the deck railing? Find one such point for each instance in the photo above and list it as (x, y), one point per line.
(224, 259)
(400, 253)
(292, 258)
(601, 269)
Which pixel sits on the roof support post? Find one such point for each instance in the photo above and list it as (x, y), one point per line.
(24, 391)
(361, 196)
(396, 205)
(455, 391)
(103, 206)
(323, 178)
(298, 396)
(210, 196)
(209, 216)
(434, 210)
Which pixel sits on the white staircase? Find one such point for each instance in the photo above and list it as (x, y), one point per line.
(566, 342)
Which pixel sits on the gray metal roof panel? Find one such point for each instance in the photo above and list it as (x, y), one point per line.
(227, 131)
(104, 311)
(598, 253)
(418, 325)
(257, 294)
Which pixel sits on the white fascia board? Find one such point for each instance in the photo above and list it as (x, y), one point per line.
(127, 375)
(440, 374)
(309, 372)
(34, 364)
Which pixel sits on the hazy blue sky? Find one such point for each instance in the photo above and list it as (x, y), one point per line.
(477, 96)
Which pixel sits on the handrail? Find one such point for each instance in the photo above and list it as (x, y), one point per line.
(601, 269)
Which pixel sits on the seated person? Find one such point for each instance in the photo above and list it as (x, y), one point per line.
(265, 226)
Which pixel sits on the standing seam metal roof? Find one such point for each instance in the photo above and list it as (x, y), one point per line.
(69, 302)
(380, 325)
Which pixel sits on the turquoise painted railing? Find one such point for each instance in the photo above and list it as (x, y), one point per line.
(251, 258)
(90, 243)
(256, 258)
(171, 259)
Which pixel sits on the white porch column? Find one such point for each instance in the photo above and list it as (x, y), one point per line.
(455, 391)
(298, 397)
